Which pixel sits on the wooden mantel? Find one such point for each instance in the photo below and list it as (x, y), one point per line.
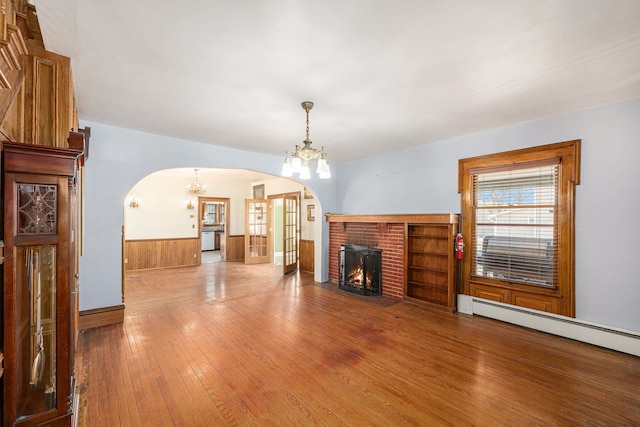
(438, 218)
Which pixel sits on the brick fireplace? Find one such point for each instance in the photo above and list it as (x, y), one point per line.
(390, 233)
(388, 237)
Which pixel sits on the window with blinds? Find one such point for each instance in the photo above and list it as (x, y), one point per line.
(515, 213)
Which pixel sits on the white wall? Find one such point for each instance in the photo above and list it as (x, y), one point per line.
(425, 179)
(118, 159)
(285, 185)
(158, 216)
(307, 229)
(162, 211)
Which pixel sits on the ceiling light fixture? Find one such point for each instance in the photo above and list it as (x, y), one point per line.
(195, 189)
(298, 160)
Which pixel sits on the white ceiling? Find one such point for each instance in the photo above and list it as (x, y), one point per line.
(383, 75)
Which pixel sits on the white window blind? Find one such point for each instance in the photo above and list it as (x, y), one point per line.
(515, 236)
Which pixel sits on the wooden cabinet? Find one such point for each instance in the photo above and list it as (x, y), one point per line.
(216, 240)
(430, 264)
(49, 108)
(37, 102)
(39, 184)
(39, 284)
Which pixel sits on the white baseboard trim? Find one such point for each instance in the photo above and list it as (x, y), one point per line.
(592, 333)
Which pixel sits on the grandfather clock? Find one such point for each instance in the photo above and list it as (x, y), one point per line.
(39, 283)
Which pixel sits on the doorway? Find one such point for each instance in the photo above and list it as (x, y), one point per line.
(213, 214)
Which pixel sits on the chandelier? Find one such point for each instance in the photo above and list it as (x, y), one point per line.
(298, 160)
(195, 189)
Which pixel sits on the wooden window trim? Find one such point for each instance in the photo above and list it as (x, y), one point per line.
(568, 155)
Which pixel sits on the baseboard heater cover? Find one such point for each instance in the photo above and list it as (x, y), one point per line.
(592, 333)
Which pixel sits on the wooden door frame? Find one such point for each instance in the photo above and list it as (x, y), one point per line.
(226, 201)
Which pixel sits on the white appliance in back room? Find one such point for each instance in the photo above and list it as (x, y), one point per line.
(208, 242)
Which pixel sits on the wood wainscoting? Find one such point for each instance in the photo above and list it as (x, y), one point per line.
(306, 256)
(161, 253)
(235, 248)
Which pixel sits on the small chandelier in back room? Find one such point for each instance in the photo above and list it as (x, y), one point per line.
(298, 160)
(195, 189)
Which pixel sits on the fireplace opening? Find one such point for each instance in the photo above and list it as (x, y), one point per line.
(360, 269)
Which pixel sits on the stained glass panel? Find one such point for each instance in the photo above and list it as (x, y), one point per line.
(37, 208)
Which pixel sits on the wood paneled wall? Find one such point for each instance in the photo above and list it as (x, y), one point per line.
(37, 103)
(161, 253)
(235, 248)
(306, 255)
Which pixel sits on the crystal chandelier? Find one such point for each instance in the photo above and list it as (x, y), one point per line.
(195, 189)
(298, 160)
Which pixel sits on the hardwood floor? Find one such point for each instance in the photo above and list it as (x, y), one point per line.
(225, 344)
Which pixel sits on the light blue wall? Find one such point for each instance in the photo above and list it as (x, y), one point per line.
(419, 180)
(118, 159)
(425, 180)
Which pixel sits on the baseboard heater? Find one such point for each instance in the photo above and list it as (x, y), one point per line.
(592, 333)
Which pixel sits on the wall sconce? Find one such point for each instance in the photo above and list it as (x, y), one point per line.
(133, 203)
(190, 205)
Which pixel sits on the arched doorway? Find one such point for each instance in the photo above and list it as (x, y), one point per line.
(162, 231)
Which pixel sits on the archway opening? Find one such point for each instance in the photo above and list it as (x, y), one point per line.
(167, 218)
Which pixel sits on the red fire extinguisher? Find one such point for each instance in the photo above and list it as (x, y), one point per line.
(459, 246)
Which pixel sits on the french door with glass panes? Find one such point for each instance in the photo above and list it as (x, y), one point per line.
(257, 233)
(290, 218)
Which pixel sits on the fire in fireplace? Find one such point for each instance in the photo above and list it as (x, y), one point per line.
(360, 269)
